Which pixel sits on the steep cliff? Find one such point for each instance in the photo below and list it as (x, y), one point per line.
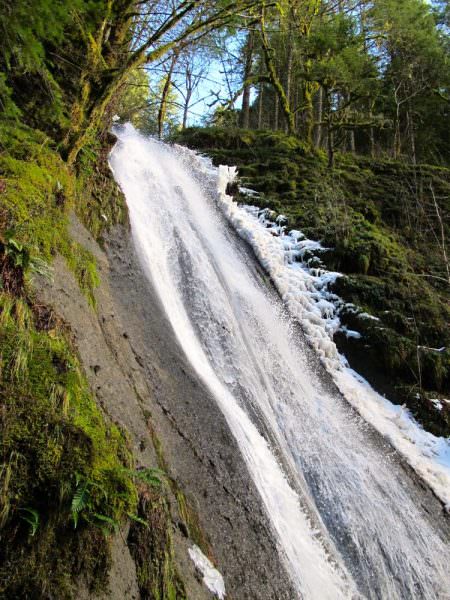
(117, 459)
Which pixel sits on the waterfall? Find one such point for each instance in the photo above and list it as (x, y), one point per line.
(347, 519)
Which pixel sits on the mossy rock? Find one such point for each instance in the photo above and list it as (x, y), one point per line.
(66, 478)
(152, 549)
(55, 443)
(37, 194)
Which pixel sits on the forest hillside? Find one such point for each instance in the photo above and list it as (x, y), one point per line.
(337, 113)
(383, 224)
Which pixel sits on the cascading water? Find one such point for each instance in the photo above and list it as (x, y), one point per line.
(346, 518)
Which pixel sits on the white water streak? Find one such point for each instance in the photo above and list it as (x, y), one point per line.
(305, 293)
(346, 509)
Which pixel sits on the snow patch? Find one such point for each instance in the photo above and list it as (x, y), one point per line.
(248, 192)
(211, 576)
(349, 333)
(437, 403)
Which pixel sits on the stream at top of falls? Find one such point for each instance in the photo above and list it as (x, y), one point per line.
(347, 520)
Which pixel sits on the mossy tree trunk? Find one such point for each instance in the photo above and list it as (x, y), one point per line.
(309, 90)
(109, 59)
(101, 76)
(245, 112)
(305, 18)
(260, 105)
(329, 125)
(319, 116)
(289, 72)
(165, 95)
(268, 53)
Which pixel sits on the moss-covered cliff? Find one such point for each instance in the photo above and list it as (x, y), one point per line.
(94, 396)
(386, 223)
(68, 477)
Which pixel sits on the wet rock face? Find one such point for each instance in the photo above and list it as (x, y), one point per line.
(197, 445)
(143, 382)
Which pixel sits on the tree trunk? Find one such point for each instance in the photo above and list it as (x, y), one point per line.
(350, 137)
(95, 95)
(352, 142)
(245, 112)
(289, 65)
(101, 75)
(165, 94)
(308, 113)
(412, 138)
(186, 108)
(364, 31)
(109, 60)
(330, 146)
(319, 115)
(275, 80)
(397, 134)
(275, 113)
(188, 96)
(330, 133)
(371, 131)
(297, 113)
(260, 105)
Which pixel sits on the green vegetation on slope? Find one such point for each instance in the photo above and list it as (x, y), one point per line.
(67, 482)
(385, 222)
(66, 473)
(63, 482)
(152, 548)
(64, 487)
(37, 193)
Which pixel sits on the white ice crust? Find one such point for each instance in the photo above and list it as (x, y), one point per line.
(211, 576)
(286, 257)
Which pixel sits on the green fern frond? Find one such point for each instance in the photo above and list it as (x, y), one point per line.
(79, 502)
(152, 476)
(31, 516)
(111, 523)
(138, 520)
(41, 267)
(80, 499)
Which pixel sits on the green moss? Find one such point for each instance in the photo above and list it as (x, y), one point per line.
(56, 445)
(151, 547)
(54, 440)
(191, 521)
(38, 193)
(84, 266)
(100, 203)
(232, 139)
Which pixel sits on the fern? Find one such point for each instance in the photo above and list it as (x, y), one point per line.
(79, 501)
(31, 516)
(21, 256)
(111, 523)
(138, 520)
(41, 267)
(154, 477)
(82, 497)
